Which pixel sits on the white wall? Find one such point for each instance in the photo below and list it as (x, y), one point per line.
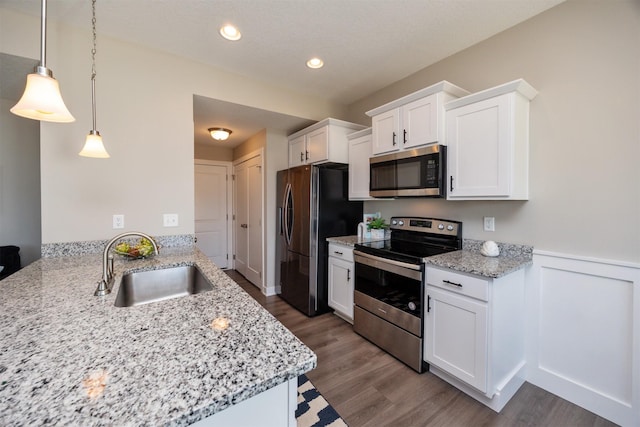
(19, 183)
(276, 158)
(145, 115)
(583, 57)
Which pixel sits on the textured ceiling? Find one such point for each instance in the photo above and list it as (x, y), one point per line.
(365, 44)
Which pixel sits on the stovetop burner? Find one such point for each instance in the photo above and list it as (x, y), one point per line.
(413, 239)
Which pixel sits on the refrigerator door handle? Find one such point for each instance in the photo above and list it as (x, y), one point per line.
(280, 231)
(287, 199)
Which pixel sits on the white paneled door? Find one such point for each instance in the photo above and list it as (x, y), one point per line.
(247, 226)
(211, 211)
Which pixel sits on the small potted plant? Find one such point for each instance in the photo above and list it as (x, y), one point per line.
(377, 227)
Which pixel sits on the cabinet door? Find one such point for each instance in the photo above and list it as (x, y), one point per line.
(480, 149)
(385, 129)
(341, 287)
(456, 336)
(359, 154)
(297, 151)
(420, 122)
(318, 145)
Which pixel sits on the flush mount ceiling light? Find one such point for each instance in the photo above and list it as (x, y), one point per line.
(219, 134)
(315, 63)
(230, 32)
(41, 99)
(93, 146)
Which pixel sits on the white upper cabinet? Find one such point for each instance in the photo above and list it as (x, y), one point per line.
(359, 154)
(487, 138)
(414, 120)
(325, 141)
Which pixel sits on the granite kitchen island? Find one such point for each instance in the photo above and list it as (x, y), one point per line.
(68, 357)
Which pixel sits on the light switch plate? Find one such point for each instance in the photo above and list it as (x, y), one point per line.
(170, 220)
(489, 223)
(118, 221)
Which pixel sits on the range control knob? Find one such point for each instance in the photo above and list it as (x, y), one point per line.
(401, 222)
(440, 226)
(394, 222)
(450, 227)
(412, 306)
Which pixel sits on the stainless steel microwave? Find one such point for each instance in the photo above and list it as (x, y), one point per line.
(410, 173)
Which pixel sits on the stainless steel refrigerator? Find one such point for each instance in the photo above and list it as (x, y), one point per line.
(312, 205)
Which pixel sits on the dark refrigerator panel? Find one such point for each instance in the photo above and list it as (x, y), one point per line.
(298, 209)
(312, 205)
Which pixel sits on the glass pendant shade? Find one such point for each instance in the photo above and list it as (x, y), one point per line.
(41, 99)
(93, 146)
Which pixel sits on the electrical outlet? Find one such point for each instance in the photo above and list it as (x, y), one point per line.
(489, 223)
(118, 221)
(170, 220)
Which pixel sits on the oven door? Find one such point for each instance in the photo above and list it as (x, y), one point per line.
(391, 290)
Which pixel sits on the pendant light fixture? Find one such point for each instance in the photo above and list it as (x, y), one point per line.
(41, 99)
(219, 134)
(93, 146)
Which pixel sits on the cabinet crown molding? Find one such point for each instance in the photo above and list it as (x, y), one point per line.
(443, 86)
(520, 86)
(325, 122)
(358, 134)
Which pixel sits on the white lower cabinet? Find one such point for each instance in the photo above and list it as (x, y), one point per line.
(340, 276)
(474, 333)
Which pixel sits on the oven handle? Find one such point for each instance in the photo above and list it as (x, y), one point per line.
(411, 271)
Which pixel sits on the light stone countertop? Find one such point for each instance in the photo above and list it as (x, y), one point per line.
(349, 240)
(469, 260)
(70, 358)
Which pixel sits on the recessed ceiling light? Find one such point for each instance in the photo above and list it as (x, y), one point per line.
(315, 63)
(230, 32)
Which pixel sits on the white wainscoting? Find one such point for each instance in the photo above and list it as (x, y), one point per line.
(583, 329)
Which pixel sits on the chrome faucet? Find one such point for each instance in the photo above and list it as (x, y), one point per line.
(104, 285)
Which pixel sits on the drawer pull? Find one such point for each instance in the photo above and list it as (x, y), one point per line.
(448, 282)
(338, 252)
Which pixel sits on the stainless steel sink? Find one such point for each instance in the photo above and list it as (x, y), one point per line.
(156, 285)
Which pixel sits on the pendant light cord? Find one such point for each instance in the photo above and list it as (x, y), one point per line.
(93, 64)
(43, 34)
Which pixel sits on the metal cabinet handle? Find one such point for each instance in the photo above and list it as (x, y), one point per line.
(348, 274)
(306, 154)
(394, 138)
(451, 183)
(301, 156)
(338, 252)
(448, 282)
(243, 225)
(404, 136)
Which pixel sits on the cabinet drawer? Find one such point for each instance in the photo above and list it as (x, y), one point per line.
(462, 284)
(337, 250)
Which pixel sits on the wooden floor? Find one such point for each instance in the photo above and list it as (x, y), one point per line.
(369, 388)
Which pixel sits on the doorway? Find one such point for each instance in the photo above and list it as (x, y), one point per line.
(248, 226)
(212, 210)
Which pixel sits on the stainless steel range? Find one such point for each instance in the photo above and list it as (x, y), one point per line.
(390, 281)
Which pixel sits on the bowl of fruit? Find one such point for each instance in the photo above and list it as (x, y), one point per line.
(143, 249)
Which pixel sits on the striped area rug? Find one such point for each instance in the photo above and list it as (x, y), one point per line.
(313, 410)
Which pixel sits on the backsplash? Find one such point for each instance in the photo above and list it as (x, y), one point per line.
(506, 249)
(51, 250)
